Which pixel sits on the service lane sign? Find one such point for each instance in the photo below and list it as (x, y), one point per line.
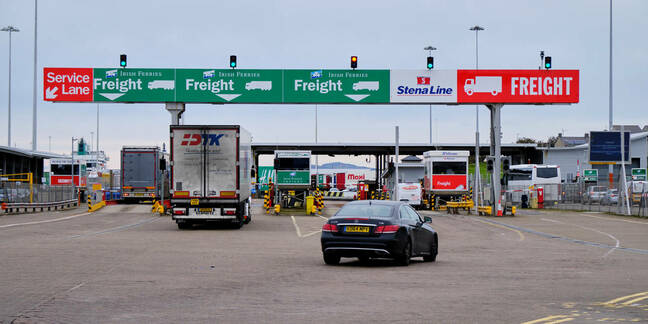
(134, 85)
(336, 86)
(517, 86)
(235, 86)
(423, 86)
(67, 84)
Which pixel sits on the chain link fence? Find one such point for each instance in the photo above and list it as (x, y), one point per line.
(585, 197)
(18, 192)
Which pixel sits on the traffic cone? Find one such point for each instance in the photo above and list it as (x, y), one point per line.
(499, 207)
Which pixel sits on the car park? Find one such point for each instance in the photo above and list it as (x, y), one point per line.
(378, 229)
(611, 197)
(594, 194)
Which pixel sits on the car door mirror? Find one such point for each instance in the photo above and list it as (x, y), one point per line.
(427, 219)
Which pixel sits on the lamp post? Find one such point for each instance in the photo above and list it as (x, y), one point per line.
(430, 49)
(610, 167)
(476, 29)
(10, 29)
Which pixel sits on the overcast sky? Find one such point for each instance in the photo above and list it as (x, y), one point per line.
(323, 34)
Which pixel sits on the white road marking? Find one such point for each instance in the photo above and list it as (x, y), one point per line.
(45, 221)
(590, 229)
(616, 220)
(320, 216)
(296, 227)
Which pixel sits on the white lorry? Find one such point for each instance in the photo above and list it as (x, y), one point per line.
(492, 84)
(260, 85)
(410, 192)
(366, 85)
(210, 174)
(162, 84)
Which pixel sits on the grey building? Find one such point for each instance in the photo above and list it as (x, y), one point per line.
(411, 169)
(575, 158)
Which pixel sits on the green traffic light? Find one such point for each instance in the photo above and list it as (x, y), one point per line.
(233, 64)
(429, 66)
(547, 65)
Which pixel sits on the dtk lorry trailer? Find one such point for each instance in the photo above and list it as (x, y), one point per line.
(210, 174)
(141, 177)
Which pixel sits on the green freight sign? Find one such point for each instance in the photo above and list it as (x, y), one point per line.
(336, 86)
(639, 174)
(590, 175)
(293, 177)
(250, 86)
(134, 85)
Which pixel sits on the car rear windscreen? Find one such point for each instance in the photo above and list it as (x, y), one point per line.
(362, 210)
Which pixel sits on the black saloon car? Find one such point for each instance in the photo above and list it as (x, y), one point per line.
(378, 229)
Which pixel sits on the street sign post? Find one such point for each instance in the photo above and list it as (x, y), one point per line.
(233, 86)
(336, 86)
(590, 175)
(639, 174)
(311, 86)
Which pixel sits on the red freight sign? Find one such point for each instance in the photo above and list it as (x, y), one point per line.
(67, 84)
(517, 86)
(449, 182)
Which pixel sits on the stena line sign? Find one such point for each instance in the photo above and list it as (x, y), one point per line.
(241, 86)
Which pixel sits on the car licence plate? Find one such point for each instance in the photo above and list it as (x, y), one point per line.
(356, 229)
(194, 202)
(139, 194)
(205, 211)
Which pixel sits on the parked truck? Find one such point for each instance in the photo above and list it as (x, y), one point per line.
(210, 174)
(141, 177)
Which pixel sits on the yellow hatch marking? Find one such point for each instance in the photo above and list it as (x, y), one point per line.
(545, 319)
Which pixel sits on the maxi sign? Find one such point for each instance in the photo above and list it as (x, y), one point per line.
(311, 86)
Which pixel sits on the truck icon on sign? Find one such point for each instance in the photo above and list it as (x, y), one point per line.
(260, 85)
(483, 84)
(366, 85)
(161, 84)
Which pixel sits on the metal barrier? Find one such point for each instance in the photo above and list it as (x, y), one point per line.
(15, 208)
(577, 196)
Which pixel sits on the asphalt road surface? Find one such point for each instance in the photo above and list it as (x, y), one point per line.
(123, 264)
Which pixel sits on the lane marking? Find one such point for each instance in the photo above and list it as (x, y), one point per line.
(552, 236)
(590, 229)
(545, 319)
(616, 220)
(320, 216)
(118, 228)
(561, 321)
(46, 221)
(630, 302)
(520, 234)
(313, 233)
(296, 227)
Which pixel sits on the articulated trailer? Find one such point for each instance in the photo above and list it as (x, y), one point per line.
(210, 174)
(141, 177)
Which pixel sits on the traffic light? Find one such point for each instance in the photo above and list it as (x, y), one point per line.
(354, 62)
(489, 165)
(547, 62)
(122, 60)
(430, 62)
(232, 61)
(506, 163)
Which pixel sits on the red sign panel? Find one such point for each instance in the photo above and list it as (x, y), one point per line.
(63, 180)
(517, 86)
(449, 182)
(67, 84)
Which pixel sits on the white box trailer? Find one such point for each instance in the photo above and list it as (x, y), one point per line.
(210, 174)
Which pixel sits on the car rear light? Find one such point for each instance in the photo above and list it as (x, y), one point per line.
(386, 229)
(329, 228)
(126, 194)
(152, 195)
(229, 211)
(179, 211)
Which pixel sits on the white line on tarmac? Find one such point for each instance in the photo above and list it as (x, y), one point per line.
(590, 229)
(45, 221)
(616, 220)
(320, 216)
(296, 227)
